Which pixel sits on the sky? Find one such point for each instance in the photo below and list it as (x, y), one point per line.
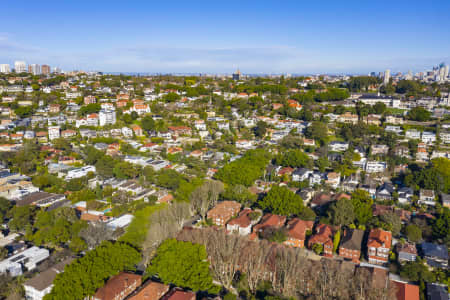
(299, 37)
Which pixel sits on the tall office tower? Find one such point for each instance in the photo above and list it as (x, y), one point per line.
(35, 69)
(56, 70)
(237, 75)
(20, 66)
(4, 68)
(446, 70)
(45, 69)
(442, 72)
(387, 76)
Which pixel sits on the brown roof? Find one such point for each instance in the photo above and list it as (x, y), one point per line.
(117, 285)
(150, 291)
(406, 291)
(243, 219)
(297, 228)
(177, 294)
(270, 220)
(379, 238)
(407, 247)
(324, 234)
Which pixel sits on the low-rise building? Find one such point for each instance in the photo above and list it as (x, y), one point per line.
(406, 252)
(427, 197)
(223, 212)
(296, 232)
(350, 246)
(118, 287)
(378, 246)
(435, 255)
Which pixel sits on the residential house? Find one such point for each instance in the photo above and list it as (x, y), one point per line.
(379, 149)
(269, 221)
(412, 134)
(406, 291)
(338, 146)
(323, 236)
(178, 294)
(375, 166)
(118, 287)
(405, 195)
(445, 200)
(406, 252)
(296, 232)
(435, 255)
(428, 137)
(333, 179)
(41, 284)
(243, 223)
(244, 144)
(223, 212)
(348, 117)
(422, 154)
(385, 191)
(301, 174)
(351, 243)
(137, 130)
(436, 291)
(427, 197)
(378, 246)
(27, 259)
(150, 290)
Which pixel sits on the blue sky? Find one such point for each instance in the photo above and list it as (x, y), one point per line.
(219, 36)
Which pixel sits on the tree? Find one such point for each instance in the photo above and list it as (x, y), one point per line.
(260, 129)
(419, 114)
(336, 240)
(24, 111)
(379, 108)
(293, 158)
(85, 275)
(205, 196)
(281, 200)
(148, 123)
(362, 205)
(5, 206)
(317, 248)
(317, 130)
(342, 212)
(21, 217)
(413, 233)
(183, 264)
(307, 214)
(391, 221)
(245, 170)
(240, 194)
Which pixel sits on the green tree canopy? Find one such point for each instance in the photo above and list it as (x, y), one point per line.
(183, 264)
(85, 275)
(280, 200)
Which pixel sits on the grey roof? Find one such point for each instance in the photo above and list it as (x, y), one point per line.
(434, 250)
(352, 239)
(436, 292)
(45, 279)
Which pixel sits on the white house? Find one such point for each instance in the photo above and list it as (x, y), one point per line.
(338, 146)
(27, 259)
(428, 137)
(80, 172)
(375, 166)
(412, 134)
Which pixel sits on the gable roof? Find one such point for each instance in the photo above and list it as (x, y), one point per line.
(352, 239)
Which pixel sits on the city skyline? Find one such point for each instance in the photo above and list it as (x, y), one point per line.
(216, 38)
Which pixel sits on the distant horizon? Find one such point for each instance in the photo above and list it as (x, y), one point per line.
(208, 37)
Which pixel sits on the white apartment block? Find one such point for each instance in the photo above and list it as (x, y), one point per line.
(412, 134)
(428, 137)
(53, 132)
(4, 68)
(107, 117)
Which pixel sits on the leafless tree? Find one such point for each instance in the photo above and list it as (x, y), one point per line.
(95, 233)
(205, 196)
